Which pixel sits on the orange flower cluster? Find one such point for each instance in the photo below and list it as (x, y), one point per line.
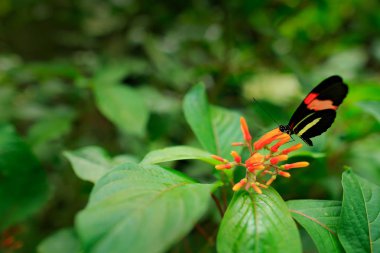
(261, 169)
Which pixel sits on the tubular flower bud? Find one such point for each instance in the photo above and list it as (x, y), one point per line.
(223, 166)
(292, 148)
(220, 159)
(282, 141)
(270, 181)
(237, 144)
(267, 138)
(278, 159)
(255, 167)
(295, 165)
(236, 156)
(256, 188)
(284, 174)
(244, 128)
(239, 185)
(263, 185)
(255, 159)
(270, 134)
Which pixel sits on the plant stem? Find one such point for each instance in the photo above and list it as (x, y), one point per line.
(204, 234)
(217, 202)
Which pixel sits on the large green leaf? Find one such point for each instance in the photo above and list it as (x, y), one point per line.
(23, 184)
(198, 115)
(63, 241)
(123, 106)
(91, 163)
(359, 226)
(320, 219)
(214, 127)
(258, 223)
(141, 208)
(177, 153)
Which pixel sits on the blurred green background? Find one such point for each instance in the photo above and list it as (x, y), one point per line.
(113, 73)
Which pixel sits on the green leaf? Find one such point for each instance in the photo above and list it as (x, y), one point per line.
(198, 115)
(372, 107)
(63, 241)
(258, 223)
(123, 106)
(226, 126)
(177, 153)
(141, 208)
(49, 128)
(91, 163)
(215, 128)
(320, 219)
(359, 226)
(23, 184)
(158, 101)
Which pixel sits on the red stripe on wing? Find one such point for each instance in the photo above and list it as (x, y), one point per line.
(318, 105)
(310, 98)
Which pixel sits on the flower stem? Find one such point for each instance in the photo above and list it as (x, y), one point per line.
(218, 205)
(203, 232)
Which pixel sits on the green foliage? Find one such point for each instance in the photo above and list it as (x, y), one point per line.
(372, 107)
(198, 115)
(359, 225)
(141, 208)
(177, 153)
(96, 86)
(214, 127)
(63, 241)
(50, 128)
(258, 223)
(123, 106)
(91, 163)
(20, 197)
(320, 219)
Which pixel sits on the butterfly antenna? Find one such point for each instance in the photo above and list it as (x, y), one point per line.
(262, 108)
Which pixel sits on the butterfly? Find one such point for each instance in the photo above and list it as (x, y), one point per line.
(317, 111)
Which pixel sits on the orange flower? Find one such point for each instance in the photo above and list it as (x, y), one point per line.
(282, 141)
(256, 188)
(284, 174)
(261, 169)
(267, 139)
(220, 159)
(236, 156)
(256, 167)
(292, 148)
(295, 165)
(239, 185)
(254, 160)
(245, 130)
(278, 159)
(270, 181)
(223, 166)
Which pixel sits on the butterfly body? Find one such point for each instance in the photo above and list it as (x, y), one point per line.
(317, 111)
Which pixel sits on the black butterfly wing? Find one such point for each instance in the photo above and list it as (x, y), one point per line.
(316, 124)
(317, 111)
